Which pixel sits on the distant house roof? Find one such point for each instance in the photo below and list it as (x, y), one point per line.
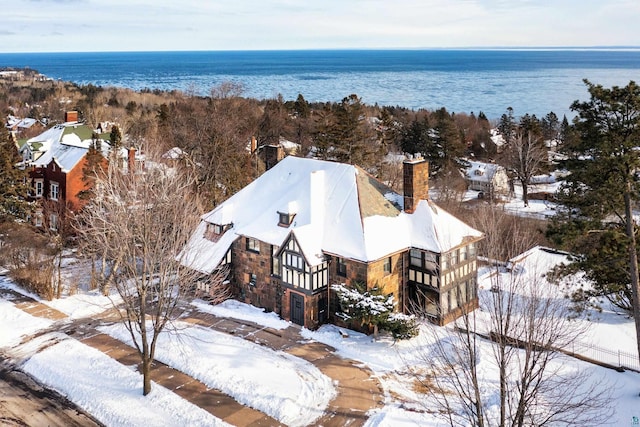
(64, 144)
(497, 138)
(289, 146)
(339, 210)
(14, 123)
(175, 153)
(42, 142)
(485, 172)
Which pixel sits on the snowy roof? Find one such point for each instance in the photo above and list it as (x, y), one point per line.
(62, 145)
(16, 122)
(289, 145)
(340, 210)
(497, 138)
(202, 254)
(174, 153)
(43, 142)
(65, 156)
(479, 171)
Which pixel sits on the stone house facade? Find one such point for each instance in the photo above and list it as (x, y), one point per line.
(307, 224)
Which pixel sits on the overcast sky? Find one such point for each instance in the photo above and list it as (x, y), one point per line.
(141, 25)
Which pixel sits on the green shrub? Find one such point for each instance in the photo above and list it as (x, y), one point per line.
(401, 326)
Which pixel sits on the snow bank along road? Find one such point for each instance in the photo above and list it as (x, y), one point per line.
(354, 398)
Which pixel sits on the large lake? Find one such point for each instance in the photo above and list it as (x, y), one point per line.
(533, 81)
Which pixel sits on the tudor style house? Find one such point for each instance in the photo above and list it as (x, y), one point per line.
(307, 224)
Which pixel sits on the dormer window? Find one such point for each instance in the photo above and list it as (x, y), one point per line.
(214, 231)
(285, 219)
(287, 213)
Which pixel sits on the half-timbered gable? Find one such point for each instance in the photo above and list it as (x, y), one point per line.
(307, 224)
(298, 273)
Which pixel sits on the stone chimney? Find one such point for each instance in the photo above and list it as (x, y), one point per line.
(415, 177)
(272, 155)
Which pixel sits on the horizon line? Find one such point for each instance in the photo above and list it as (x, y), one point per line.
(469, 48)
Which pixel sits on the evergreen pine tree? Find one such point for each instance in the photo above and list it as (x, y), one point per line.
(565, 130)
(301, 107)
(324, 136)
(115, 139)
(447, 150)
(351, 136)
(13, 187)
(507, 125)
(94, 165)
(415, 137)
(602, 191)
(550, 126)
(388, 130)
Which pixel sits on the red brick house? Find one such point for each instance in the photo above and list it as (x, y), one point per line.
(306, 224)
(56, 159)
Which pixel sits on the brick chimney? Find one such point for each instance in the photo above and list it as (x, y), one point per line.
(415, 177)
(254, 144)
(71, 116)
(131, 160)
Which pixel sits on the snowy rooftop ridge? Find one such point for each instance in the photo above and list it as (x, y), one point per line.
(481, 171)
(342, 211)
(63, 145)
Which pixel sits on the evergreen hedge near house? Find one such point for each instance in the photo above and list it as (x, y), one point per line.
(374, 309)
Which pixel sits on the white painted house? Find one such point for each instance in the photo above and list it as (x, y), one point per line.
(489, 178)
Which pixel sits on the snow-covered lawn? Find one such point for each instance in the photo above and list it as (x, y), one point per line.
(16, 324)
(405, 406)
(111, 392)
(237, 310)
(94, 381)
(283, 386)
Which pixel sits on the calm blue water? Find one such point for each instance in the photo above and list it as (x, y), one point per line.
(530, 81)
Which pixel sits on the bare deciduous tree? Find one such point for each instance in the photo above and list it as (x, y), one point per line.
(142, 219)
(526, 157)
(500, 365)
(30, 258)
(58, 230)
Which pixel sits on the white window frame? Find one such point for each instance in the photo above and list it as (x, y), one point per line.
(54, 190)
(53, 222)
(38, 187)
(38, 219)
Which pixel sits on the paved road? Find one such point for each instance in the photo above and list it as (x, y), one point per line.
(24, 402)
